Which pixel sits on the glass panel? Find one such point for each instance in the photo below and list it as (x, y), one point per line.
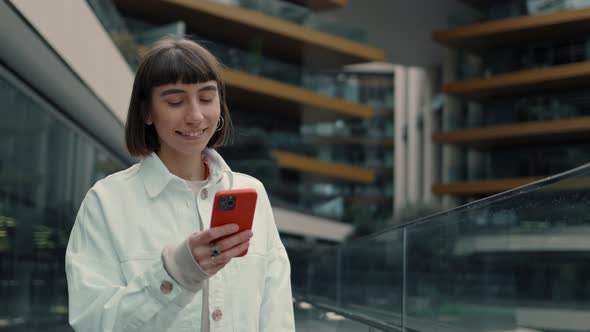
(324, 279)
(309, 318)
(301, 16)
(529, 55)
(524, 161)
(372, 277)
(46, 168)
(528, 108)
(515, 262)
(502, 9)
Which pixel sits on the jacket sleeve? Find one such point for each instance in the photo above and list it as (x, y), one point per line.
(276, 313)
(100, 299)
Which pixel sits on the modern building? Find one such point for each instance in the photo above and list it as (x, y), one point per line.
(319, 135)
(339, 137)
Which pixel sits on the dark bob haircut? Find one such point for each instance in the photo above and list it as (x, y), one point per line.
(168, 62)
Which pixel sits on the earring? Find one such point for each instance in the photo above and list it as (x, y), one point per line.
(220, 124)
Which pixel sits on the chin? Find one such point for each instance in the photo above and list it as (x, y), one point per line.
(197, 150)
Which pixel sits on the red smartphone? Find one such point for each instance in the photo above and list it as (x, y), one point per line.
(235, 206)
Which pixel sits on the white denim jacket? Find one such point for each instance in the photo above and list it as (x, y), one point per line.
(115, 271)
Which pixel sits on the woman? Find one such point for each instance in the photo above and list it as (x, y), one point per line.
(141, 255)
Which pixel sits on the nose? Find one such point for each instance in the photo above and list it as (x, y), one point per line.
(194, 114)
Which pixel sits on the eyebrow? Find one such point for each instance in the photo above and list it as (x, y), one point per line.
(176, 90)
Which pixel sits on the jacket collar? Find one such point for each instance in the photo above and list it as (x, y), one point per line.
(156, 176)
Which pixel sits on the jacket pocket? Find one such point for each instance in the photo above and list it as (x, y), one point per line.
(138, 264)
(247, 277)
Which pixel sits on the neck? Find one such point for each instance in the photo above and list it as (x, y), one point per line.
(189, 168)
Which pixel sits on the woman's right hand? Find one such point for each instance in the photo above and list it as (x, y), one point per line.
(202, 243)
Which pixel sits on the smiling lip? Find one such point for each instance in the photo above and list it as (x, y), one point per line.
(193, 134)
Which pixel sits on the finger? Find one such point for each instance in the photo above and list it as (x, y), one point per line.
(227, 255)
(234, 240)
(212, 265)
(212, 234)
(202, 252)
(221, 231)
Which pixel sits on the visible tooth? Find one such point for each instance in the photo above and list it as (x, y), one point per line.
(194, 133)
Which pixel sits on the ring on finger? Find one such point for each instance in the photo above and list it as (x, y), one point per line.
(215, 250)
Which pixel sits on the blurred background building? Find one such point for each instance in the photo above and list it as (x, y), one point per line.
(358, 116)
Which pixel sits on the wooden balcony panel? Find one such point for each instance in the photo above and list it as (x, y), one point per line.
(246, 90)
(573, 183)
(554, 78)
(240, 26)
(563, 130)
(481, 187)
(292, 161)
(479, 37)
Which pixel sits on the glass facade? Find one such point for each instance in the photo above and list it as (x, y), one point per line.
(46, 168)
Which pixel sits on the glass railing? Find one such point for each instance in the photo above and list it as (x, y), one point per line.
(527, 108)
(363, 143)
(531, 55)
(516, 261)
(375, 127)
(346, 202)
(302, 16)
(317, 318)
(520, 162)
(502, 9)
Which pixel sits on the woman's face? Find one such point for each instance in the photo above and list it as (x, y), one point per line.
(185, 116)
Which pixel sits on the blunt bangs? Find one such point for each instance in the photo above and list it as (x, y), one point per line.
(185, 63)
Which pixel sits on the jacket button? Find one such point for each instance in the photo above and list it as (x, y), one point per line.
(217, 315)
(204, 193)
(166, 287)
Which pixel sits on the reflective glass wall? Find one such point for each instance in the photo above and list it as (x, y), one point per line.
(46, 168)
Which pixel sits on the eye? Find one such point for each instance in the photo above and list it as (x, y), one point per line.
(178, 103)
(207, 100)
